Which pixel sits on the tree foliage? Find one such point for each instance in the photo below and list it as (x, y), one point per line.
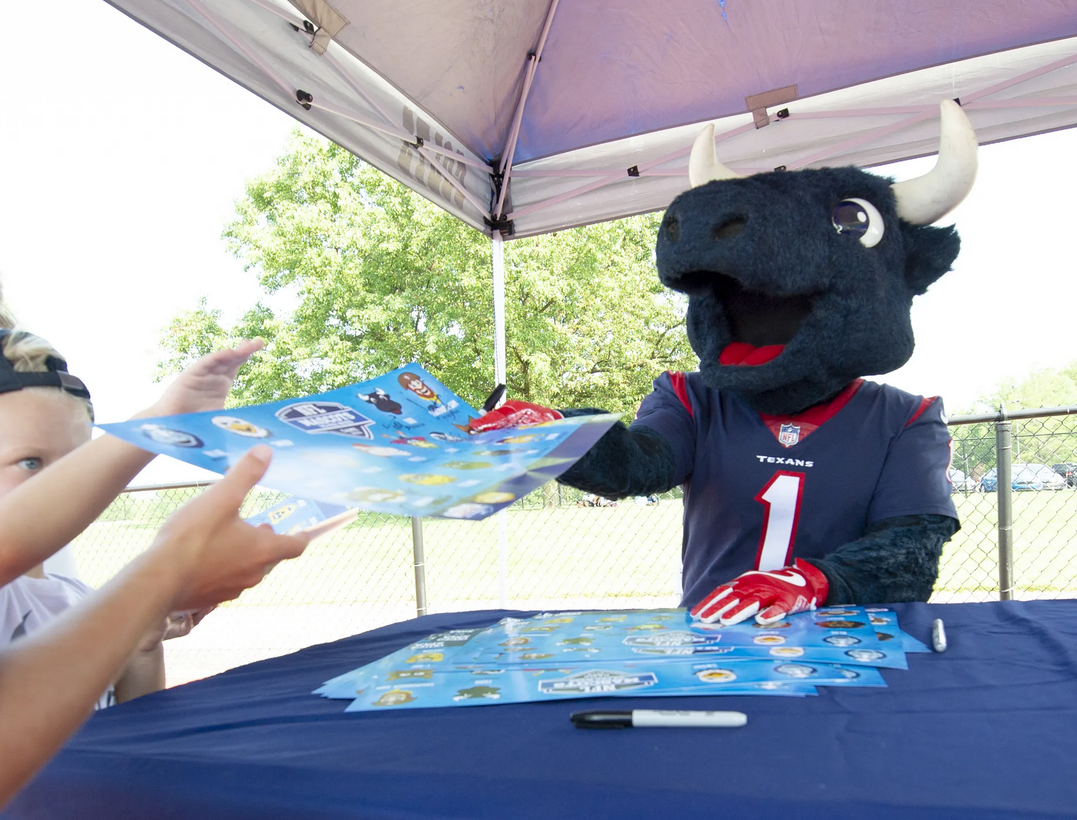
(1047, 440)
(371, 277)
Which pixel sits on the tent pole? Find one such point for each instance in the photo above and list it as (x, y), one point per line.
(497, 247)
(419, 564)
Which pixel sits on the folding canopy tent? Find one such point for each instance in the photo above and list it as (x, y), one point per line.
(527, 116)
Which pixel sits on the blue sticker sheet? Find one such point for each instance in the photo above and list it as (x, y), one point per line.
(398, 443)
(831, 635)
(638, 653)
(887, 629)
(413, 687)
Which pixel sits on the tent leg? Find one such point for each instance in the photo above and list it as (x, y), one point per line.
(419, 562)
(498, 253)
(497, 246)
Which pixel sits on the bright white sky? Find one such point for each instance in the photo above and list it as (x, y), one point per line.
(123, 158)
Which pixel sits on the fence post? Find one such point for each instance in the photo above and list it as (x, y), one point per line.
(419, 559)
(1003, 444)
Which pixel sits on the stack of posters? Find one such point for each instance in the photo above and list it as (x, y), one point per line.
(398, 443)
(564, 655)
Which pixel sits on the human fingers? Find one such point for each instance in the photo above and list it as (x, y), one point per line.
(198, 615)
(227, 495)
(227, 361)
(285, 547)
(178, 625)
(238, 556)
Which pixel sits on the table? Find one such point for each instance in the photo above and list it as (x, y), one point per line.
(986, 730)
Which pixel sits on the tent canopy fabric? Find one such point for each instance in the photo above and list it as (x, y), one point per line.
(533, 116)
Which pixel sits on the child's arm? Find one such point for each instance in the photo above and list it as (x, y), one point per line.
(202, 555)
(143, 674)
(145, 669)
(40, 516)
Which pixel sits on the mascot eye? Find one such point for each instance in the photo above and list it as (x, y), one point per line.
(859, 218)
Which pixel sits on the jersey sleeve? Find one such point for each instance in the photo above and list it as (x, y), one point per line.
(669, 411)
(914, 478)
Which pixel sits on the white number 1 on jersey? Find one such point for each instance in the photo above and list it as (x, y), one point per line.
(781, 498)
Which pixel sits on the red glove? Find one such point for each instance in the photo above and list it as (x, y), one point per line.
(513, 414)
(770, 596)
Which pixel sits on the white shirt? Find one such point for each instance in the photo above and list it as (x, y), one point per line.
(27, 604)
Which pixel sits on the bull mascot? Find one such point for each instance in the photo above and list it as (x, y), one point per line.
(803, 483)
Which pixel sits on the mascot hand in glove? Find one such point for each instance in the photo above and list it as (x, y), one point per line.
(803, 484)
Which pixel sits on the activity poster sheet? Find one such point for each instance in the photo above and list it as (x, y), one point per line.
(398, 443)
(559, 656)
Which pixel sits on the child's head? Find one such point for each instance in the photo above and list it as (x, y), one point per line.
(45, 412)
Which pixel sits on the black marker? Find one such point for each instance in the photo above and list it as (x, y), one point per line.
(493, 399)
(653, 717)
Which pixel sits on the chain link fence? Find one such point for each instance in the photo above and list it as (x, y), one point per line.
(559, 548)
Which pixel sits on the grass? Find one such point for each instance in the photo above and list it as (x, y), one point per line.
(612, 556)
(561, 557)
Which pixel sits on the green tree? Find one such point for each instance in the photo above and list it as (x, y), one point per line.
(1042, 388)
(372, 277)
(1047, 440)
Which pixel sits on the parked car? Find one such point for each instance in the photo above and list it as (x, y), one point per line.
(1068, 470)
(962, 483)
(1024, 477)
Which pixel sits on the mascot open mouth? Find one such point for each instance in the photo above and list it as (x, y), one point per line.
(760, 324)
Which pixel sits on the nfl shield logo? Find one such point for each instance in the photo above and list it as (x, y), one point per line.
(789, 434)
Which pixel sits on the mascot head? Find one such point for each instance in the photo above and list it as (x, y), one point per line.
(800, 282)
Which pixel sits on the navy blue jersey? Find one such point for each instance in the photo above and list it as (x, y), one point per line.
(762, 490)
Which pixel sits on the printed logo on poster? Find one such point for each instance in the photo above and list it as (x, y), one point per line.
(166, 435)
(326, 417)
(240, 427)
(593, 681)
(789, 434)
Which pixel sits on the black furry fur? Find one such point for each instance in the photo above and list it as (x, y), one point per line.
(783, 275)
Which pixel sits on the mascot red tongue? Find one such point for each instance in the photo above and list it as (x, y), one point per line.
(803, 484)
(743, 353)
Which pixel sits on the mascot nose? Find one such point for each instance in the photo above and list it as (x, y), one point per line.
(728, 228)
(671, 226)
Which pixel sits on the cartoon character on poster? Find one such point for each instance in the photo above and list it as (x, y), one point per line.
(395, 697)
(428, 398)
(240, 427)
(382, 401)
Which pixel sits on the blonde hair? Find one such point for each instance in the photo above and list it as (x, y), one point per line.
(29, 353)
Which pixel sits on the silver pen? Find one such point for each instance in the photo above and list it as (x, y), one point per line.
(938, 635)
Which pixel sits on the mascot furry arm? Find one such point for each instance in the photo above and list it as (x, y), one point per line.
(798, 284)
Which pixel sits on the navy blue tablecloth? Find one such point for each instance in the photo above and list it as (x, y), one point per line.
(986, 730)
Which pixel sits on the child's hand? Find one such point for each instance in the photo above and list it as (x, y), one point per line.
(205, 384)
(213, 554)
(175, 625)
